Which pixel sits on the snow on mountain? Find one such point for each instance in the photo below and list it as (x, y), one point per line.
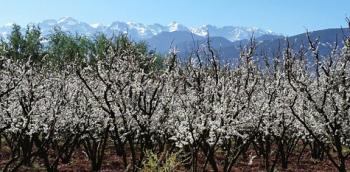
(67, 21)
(139, 31)
(119, 27)
(157, 28)
(231, 33)
(174, 26)
(96, 25)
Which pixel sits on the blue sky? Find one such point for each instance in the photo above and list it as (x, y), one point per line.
(282, 16)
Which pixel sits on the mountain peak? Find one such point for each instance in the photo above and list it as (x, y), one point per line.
(140, 31)
(68, 21)
(175, 26)
(96, 25)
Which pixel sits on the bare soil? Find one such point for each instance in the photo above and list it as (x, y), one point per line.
(113, 163)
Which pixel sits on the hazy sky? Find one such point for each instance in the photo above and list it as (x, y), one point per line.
(281, 16)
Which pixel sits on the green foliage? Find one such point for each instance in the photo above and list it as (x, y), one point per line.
(153, 163)
(158, 62)
(33, 47)
(64, 48)
(22, 47)
(16, 44)
(101, 46)
(60, 49)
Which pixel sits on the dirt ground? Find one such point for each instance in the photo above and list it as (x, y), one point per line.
(112, 163)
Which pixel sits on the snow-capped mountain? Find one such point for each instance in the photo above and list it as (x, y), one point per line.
(174, 26)
(139, 31)
(67, 24)
(232, 33)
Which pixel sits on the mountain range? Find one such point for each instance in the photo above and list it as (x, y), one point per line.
(226, 40)
(139, 31)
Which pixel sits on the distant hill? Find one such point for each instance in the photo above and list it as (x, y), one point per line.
(327, 39)
(167, 40)
(186, 42)
(267, 44)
